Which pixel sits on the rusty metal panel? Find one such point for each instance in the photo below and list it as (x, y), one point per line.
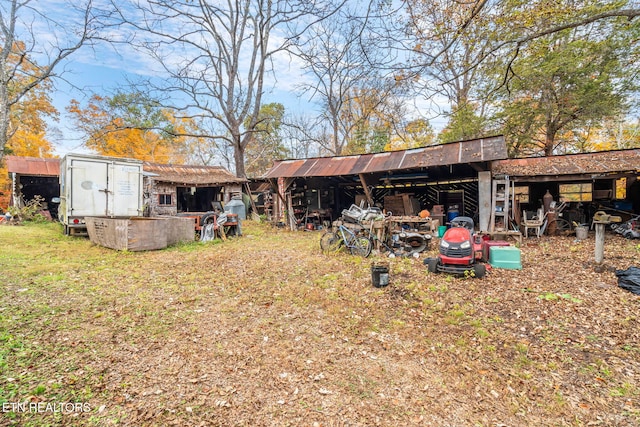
(361, 165)
(472, 151)
(373, 163)
(391, 162)
(430, 156)
(285, 168)
(414, 158)
(33, 166)
(345, 166)
(274, 172)
(494, 148)
(305, 167)
(310, 166)
(195, 175)
(571, 164)
(332, 166)
(451, 154)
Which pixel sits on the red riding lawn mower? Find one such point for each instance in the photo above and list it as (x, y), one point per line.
(460, 250)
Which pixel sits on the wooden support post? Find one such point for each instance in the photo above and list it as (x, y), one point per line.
(281, 190)
(484, 200)
(254, 210)
(599, 243)
(367, 193)
(291, 217)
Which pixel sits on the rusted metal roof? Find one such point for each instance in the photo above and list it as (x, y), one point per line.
(33, 166)
(602, 162)
(472, 151)
(178, 174)
(191, 175)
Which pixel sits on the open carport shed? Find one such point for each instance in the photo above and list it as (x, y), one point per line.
(32, 176)
(587, 182)
(450, 175)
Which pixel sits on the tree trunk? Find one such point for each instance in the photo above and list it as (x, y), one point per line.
(238, 158)
(550, 136)
(4, 128)
(548, 143)
(337, 146)
(4, 107)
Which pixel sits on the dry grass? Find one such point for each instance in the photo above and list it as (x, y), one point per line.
(266, 330)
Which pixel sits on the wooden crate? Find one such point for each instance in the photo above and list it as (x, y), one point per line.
(402, 204)
(139, 233)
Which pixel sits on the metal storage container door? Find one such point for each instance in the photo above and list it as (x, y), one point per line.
(88, 188)
(125, 189)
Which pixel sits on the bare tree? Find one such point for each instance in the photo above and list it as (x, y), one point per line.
(450, 41)
(34, 45)
(217, 55)
(346, 79)
(299, 135)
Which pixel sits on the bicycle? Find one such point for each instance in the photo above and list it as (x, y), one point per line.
(357, 243)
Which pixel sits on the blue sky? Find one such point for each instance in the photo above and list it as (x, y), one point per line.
(86, 74)
(106, 71)
(102, 70)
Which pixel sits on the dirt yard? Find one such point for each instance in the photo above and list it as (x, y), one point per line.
(265, 330)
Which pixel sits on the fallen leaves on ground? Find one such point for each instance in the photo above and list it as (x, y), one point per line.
(267, 330)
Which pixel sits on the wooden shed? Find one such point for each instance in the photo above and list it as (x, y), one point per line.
(33, 176)
(173, 189)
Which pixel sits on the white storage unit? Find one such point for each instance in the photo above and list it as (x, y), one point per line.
(98, 186)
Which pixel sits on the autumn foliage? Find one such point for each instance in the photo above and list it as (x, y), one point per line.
(120, 126)
(27, 127)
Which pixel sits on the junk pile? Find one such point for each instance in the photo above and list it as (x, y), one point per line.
(629, 229)
(356, 214)
(398, 243)
(214, 228)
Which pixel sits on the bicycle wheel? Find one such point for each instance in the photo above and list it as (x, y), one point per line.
(563, 227)
(361, 245)
(330, 242)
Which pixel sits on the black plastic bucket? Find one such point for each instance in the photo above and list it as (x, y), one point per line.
(379, 276)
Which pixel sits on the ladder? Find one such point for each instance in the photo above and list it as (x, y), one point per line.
(500, 197)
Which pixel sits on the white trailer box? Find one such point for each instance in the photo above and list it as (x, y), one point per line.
(98, 186)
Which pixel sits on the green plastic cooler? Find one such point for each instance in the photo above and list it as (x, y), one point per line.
(505, 257)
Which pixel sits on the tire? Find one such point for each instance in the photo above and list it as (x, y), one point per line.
(361, 246)
(207, 219)
(330, 242)
(432, 264)
(417, 242)
(479, 270)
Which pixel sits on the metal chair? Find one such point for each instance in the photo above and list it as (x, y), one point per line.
(534, 223)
